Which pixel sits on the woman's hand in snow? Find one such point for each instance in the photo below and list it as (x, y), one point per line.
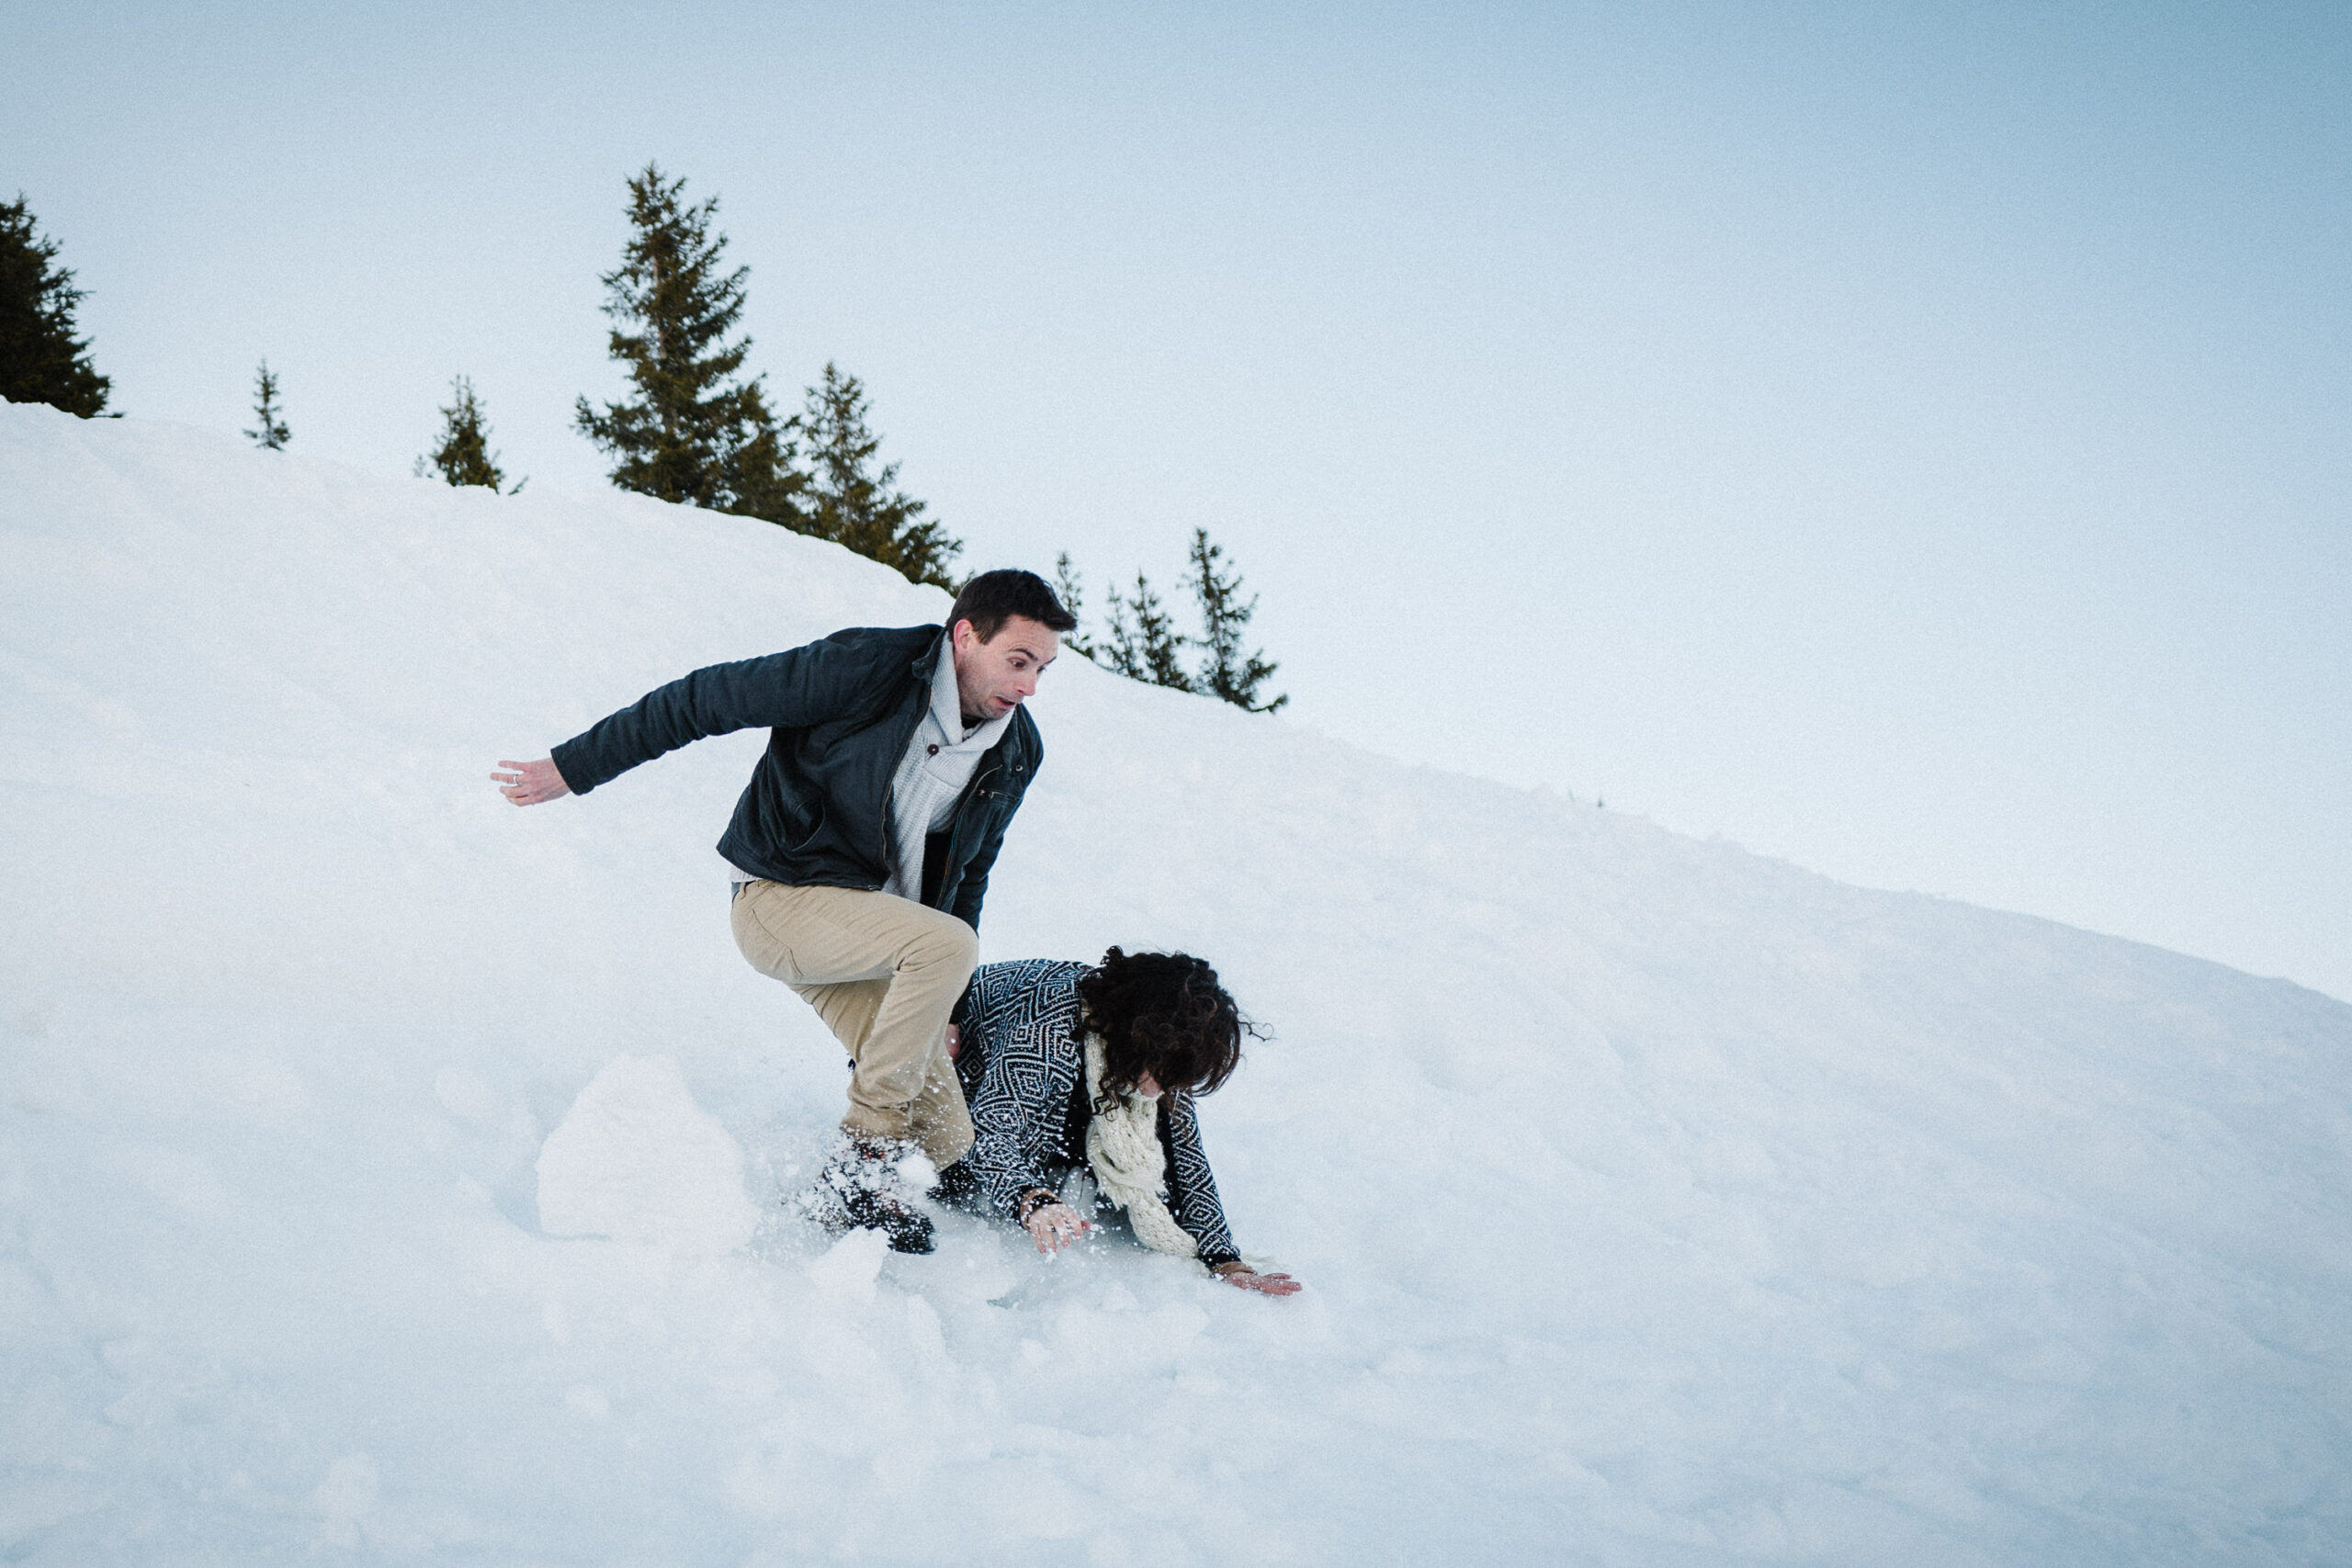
(1242, 1276)
(1054, 1225)
(531, 783)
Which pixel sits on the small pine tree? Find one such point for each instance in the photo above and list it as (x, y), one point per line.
(464, 456)
(271, 434)
(693, 433)
(1225, 672)
(1067, 589)
(41, 359)
(1150, 647)
(851, 502)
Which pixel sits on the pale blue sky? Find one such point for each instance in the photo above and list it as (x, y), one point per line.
(1908, 440)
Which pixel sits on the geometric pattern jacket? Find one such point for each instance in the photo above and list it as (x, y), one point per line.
(1023, 1063)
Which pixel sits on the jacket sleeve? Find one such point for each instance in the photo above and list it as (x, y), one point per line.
(1017, 1112)
(791, 689)
(1191, 1191)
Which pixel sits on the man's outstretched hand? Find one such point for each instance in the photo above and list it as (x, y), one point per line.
(531, 783)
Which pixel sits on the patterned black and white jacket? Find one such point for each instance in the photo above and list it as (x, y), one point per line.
(1023, 1063)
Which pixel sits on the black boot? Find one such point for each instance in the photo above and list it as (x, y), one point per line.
(956, 1186)
(859, 1190)
(907, 1230)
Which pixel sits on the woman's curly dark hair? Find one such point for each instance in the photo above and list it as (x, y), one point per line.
(1163, 1013)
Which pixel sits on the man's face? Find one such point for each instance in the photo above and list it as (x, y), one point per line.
(993, 678)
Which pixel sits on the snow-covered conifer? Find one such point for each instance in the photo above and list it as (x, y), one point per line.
(853, 503)
(693, 430)
(1072, 593)
(1149, 647)
(270, 431)
(41, 359)
(1225, 672)
(463, 457)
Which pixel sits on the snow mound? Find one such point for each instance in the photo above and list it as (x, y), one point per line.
(1656, 1203)
(635, 1159)
(847, 1270)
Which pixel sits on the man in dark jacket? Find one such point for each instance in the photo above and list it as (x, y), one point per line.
(862, 846)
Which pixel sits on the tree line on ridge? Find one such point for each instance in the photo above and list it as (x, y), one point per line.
(696, 430)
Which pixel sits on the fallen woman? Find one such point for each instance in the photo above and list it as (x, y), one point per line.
(1081, 1080)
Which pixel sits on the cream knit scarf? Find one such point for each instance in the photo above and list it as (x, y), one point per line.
(1122, 1145)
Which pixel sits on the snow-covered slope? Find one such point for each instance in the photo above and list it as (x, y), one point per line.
(1657, 1203)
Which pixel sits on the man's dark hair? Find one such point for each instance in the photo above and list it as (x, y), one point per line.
(1161, 1013)
(994, 597)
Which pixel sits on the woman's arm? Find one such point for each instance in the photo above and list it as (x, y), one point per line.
(1028, 1074)
(1192, 1198)
(1192, 1190)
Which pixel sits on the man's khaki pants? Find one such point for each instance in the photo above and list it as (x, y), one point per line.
(884, 973)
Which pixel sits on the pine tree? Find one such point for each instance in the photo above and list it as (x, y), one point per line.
(693, 432)
(1067, 589)
(273, 434)
(1225, 672)
(1149, 649)
(464, 456)
(41, 359)
(851, 502)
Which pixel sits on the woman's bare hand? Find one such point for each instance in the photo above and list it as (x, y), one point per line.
(1264, 1284)
(531, 783)
(1054, 1225)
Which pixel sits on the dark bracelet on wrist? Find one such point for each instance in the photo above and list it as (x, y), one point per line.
(1031, 1201)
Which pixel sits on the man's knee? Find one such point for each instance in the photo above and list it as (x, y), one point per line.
(948, 945)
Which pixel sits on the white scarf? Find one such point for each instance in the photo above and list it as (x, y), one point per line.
(1130, 1165)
